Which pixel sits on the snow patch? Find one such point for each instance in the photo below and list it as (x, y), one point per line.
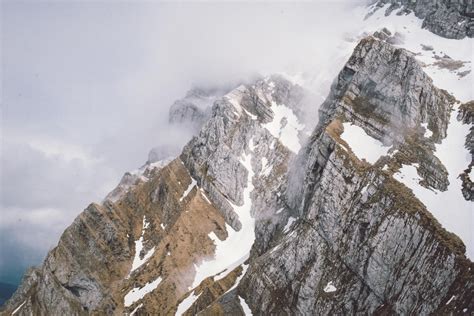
(18, 308)
(245, 307)
(137, 261)
(290, 222)
(363, 145)
(329, 288)
(286, 132)
(205, 196)
(137, 294)
(252, 116)
(241, 276)
(239, 262)
(452, 298)
(186, 303)
(189, 189)
(449, 207)
(275, 248)
(266, 167)
(428, 132)
(136, 309)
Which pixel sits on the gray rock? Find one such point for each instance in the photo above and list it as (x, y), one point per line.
(447, 18)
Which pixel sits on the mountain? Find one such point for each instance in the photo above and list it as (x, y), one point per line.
(447, 18)
(279, 205)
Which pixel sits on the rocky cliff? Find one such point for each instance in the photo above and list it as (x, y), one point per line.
(269, 210)
(447, 18)
(466, 115)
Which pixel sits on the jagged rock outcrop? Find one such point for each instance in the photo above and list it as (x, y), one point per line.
(447, 18)
(466, 116)
(317, 228)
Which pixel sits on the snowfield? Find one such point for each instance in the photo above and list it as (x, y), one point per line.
(450, 208)
(363, 145)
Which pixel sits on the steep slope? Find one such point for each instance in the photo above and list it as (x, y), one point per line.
(355, 240)
(141, 247)
(258, 215)
(447, 18)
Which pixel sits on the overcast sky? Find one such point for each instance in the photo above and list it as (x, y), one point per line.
(86, 87)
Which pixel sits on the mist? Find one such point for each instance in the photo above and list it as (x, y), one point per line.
(86, 88)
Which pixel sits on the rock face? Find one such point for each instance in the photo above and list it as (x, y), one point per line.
(466, 115)
(319, 228)
(447, 18)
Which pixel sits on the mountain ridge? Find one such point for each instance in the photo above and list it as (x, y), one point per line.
(327, 231)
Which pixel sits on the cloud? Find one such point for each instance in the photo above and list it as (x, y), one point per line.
(88, 86)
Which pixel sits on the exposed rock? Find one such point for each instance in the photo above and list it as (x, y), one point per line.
(466, 116)
(385, 35)
(447, 18)
(427, 47)
(446, 62)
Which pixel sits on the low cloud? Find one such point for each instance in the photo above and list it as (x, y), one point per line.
(87, 87)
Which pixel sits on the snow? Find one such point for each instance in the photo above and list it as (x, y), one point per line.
(471, 174)
(449, 207)
(137, 261)
(266, 167)
(252, 116)
(408, 175)
(137, 294)
(18, 308)
(428, 132)
(329, 288)
(363, 145)
(364, 189)
(291, 220)
(186, 303)
(238, 243)
(279, 211)
(239, 262)
(205, 196)
(286, 133)
(275, 248)
(241, 276)
(189, 189)
(136, 309)
(452, 298)
(245, 307)
(162, 226)
(414, 36)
